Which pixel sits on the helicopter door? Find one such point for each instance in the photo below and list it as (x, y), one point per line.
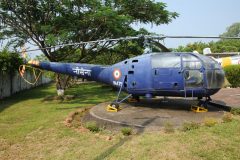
(166, 72)
(192, 73)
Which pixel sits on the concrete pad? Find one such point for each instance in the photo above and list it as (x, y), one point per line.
(228, 97)
(153, 114)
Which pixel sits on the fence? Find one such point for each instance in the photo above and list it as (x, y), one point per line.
(11, 84)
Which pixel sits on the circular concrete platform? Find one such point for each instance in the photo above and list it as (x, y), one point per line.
(153, 114)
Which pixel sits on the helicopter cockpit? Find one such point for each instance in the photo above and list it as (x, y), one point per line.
(214, 73)
(197, 70)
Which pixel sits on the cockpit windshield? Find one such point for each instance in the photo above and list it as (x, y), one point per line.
(209, 63)
(214, 73)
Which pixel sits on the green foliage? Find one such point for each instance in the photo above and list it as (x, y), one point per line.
(227, 117)
(210, 122)
(126, 131)
(233, 30)
(235, 111)
(168, 127)
(92, 126)
(219, 46)
(216, 47)
(232, 73)
(9, 61)
(48, 23)
(198, 46)
(187, 126)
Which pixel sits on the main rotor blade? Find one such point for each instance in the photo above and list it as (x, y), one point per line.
(161, 46)
(159, 37)
(88, 42)
(212, 37)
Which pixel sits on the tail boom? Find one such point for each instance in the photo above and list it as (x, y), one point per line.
(86, 71)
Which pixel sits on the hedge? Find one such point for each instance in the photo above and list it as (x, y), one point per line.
(232, 73)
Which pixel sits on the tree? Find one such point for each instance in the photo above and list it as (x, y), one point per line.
(9, 61)
(216, 47)
(47, 23)
(219, 46)
(233, 30)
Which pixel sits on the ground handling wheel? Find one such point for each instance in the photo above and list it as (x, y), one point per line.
(113, 107)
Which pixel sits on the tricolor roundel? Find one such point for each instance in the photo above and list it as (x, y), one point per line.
(117, 74)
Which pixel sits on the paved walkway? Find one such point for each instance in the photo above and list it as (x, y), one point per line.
(228, 96)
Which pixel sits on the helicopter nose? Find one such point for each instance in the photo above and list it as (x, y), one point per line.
(215, 79)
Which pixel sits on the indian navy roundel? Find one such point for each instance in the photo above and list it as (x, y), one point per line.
(117, 74)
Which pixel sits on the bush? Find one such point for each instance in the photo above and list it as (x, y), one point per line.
(168, 127)
(92, 126)
(126, 131)
(235, 111)
(187, 126)
(209, 122)
(9, 61)
(227, 117)
(232, 73)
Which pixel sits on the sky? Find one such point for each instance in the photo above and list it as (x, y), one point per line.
(197, 18)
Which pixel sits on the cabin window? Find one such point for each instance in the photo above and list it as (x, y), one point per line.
(166, 60)
(193, 78)
(135, 61)
(191, 62)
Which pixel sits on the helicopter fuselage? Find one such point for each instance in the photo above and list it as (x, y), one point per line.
(154, 74)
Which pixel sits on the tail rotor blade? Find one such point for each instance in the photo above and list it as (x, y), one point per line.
(22, 69)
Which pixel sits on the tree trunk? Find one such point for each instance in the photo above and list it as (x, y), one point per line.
(62, 82)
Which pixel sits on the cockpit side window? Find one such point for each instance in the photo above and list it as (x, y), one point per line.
(166, 60)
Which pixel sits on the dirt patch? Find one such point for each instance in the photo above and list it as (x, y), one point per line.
(4, 145)
(74, 119)
(75, 122)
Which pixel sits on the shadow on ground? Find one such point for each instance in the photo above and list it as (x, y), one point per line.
(34, 93)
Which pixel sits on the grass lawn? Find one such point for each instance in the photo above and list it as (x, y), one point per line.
(31, 128)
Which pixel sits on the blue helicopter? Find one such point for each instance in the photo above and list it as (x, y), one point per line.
(151, 74)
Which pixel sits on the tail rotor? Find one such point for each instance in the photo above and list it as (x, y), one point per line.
(23, 67)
